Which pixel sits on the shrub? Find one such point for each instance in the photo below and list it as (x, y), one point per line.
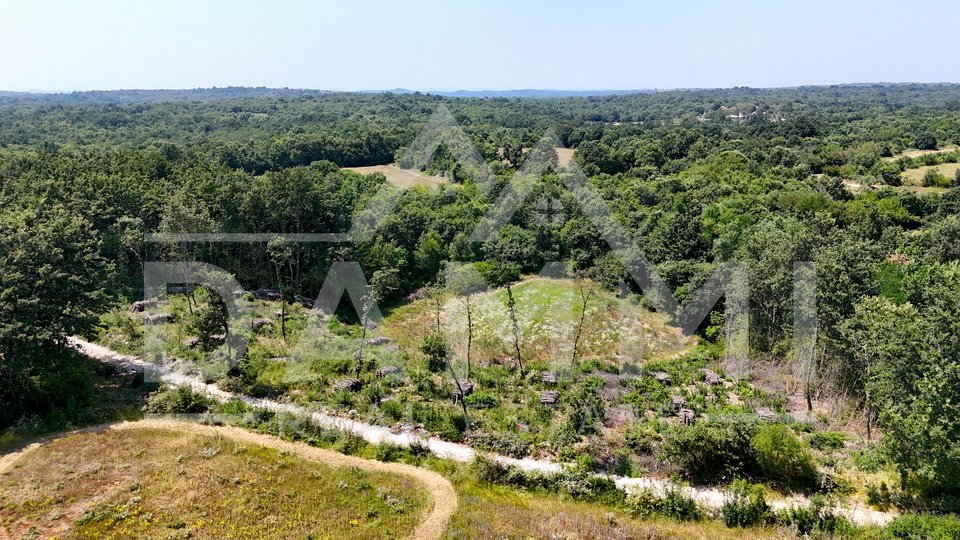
(508, 444)
(879, 495)
(584, 485)
(710, 452)
(745, 505)
(828, 440)
(392, 409)
(674, 504)
(926, 526)
(869, 460)
(782, 457)
(933, 178)
(678, 506)
(435, 348)
(482, 400)
(643, 503)
(816, 519)
(640, 438)
(488, 471)
(926, 141)
(177, 401)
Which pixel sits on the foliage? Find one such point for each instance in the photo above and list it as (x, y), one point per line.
(179, 400)
(828, 440)
(710, 452)
(700, 178)
(676, 505)
(435, 347)
(924, 526)
(782, 458)
(745, 505)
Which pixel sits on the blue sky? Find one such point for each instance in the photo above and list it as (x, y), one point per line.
(494, 44)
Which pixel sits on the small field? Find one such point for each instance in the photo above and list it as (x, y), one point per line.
(565, 156)
(912, 154)
(159, 483)
(914, 177)
(402, 178)
(548, 311)
(494, 512)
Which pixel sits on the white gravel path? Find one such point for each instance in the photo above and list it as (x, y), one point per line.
(708, 497)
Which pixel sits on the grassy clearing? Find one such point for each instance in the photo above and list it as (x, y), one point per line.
(157, 483)
(913, 154)
(494, 512)
(547, 311)
(402, 178)
(914, 177)
(565, 156)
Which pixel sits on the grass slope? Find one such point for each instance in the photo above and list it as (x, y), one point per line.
(159, 483)
(547, 311)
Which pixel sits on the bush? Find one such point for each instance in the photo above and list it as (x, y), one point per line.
(488, 471)
(710, 452)
(579, 484)
(643, 503)
(482, 400)
(674, 504)
(880, 496)
(641, 438)
(392, 409)
(869, 460)
(816, 519)
(745, 505)
(508, 444)
(926, 141)
(782, 458)
(177, 401)
(924, 526)
(933, 178)
(828, 440)
(583, 485)
(678, 506)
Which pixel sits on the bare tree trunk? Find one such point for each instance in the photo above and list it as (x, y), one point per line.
(469, 333)
(363, 339)
(511, 306)
(463, 397)
(585, 294)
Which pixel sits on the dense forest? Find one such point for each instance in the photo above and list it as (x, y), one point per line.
(699, 178)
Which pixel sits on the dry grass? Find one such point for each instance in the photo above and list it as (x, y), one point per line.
(402, 178)
(496, 512)
(565, 156)
(159, 483)
(917, 153)
(914, 177)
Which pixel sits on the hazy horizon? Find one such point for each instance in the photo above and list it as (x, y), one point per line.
(41, 91)
(434, 47)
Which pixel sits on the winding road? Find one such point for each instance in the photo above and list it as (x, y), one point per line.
(712, 498)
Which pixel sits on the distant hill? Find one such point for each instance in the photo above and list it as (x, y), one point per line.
(213, 94)
(523, 93)
(139, 96)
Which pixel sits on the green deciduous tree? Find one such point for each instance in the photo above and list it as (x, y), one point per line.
(51, 287)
